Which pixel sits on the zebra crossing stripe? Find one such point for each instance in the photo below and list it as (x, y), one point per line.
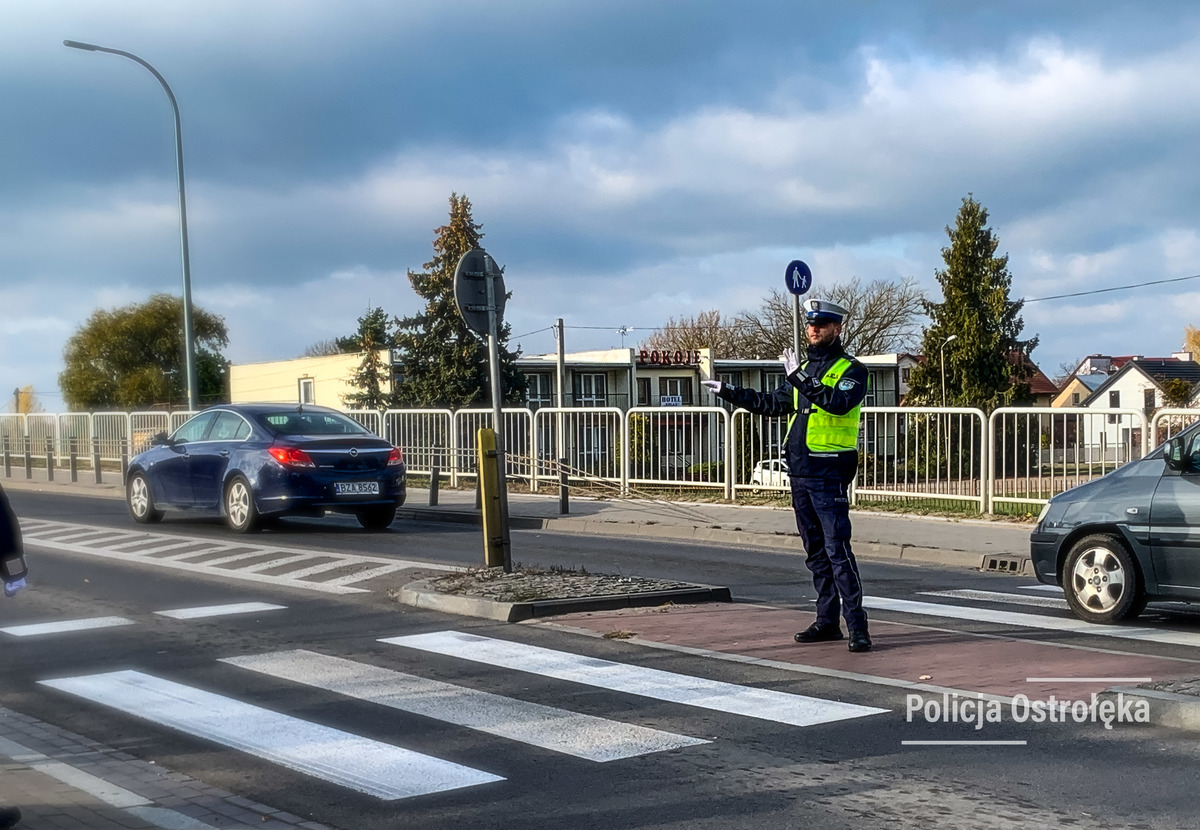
(780, 707)
(142, 546)
(1022, 620)
(219, 610)
(382, 770)
(583, 736)
(997, 596)
(64, 626)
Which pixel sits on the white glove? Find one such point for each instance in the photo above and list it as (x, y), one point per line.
(714, 386)
(11, 588)
(790, 363)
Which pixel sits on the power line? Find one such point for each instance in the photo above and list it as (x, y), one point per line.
(1115, 288)
(528, 333)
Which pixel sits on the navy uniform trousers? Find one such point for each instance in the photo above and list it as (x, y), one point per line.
(823, 519)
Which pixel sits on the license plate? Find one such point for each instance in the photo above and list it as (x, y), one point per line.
(356, 488)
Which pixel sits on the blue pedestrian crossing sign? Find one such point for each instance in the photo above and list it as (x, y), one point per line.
(798, 277)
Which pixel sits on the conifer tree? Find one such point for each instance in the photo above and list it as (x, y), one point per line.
(372, 378)
(445, 364)
(986, 364)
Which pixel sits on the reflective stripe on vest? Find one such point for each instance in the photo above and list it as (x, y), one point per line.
(828, 432)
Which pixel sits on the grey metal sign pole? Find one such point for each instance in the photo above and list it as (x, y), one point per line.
(498, 413)
(796, 324)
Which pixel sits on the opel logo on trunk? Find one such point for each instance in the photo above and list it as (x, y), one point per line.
(354, 452)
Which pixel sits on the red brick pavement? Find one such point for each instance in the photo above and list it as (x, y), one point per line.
(997, 664)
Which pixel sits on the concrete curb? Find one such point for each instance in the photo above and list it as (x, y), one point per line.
(1168, 709)
(420, 595)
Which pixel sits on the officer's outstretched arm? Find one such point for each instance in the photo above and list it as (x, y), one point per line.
(777, 403)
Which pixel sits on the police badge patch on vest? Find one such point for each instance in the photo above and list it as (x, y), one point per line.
(845, 385)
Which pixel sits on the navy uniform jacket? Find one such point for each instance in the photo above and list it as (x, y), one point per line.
(10, 530)
(801, 462)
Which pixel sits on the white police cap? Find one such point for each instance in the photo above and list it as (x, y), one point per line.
(824, 310)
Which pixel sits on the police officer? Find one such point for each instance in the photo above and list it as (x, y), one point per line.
(822, 398)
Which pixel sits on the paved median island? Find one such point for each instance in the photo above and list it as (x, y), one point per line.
(528, 593)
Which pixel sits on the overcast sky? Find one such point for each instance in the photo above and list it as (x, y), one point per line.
(630, 160)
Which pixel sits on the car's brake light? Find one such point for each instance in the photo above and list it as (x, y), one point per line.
(396, 458)
(291, 456)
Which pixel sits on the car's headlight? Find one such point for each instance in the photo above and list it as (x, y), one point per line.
(1042, 515)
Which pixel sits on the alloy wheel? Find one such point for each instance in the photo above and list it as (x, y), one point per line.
(1098, 580)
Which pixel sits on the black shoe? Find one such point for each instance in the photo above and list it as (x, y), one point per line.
(820, 632)
(9, 817)
(860, 640)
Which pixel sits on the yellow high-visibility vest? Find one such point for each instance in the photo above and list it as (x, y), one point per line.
(828, 432)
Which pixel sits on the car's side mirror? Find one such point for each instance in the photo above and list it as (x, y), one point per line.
(1177, 456)
(160, 439)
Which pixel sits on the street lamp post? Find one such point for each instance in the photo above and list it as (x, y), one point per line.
(189, 344)
(943, 362)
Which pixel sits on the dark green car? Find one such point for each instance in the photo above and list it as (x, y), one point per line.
(1128, 538)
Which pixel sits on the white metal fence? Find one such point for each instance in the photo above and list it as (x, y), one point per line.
(1012, 460)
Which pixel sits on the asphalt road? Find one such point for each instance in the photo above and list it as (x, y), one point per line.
(850, 769)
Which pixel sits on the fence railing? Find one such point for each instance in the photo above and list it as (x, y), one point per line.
(1014, 459)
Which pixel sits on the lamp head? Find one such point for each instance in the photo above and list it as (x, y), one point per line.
(74, 44)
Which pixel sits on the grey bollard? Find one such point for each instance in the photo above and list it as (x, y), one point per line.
(124, 459)
(74, 462)
(49, 459)
(96, 460)
(28, 459)
(435, 474)
(564, 506)
(7, 460)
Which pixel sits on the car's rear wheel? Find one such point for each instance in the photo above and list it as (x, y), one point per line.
(240, 513)
(377, 518)
(1101, 581)
(141, 503)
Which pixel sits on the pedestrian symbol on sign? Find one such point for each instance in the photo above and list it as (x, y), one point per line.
(798, 277)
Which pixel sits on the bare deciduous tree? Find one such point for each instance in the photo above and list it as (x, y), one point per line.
(883, 317)
(1191, 341)
(322, 348)
(704, 331)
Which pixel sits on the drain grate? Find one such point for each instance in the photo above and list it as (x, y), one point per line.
(1003, 564)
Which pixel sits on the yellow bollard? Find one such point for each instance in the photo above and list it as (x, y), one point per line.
(489, 485)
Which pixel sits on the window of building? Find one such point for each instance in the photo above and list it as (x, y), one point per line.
(772, 381)
(673, 389)
(540, 390)
(307, 391)
(731, 378)
(1114, 402)
(1074, 399)
(904, 374)
(643, 391)
(590, 390)
(1148, 400)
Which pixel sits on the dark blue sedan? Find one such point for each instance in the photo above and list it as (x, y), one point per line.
(256, 462)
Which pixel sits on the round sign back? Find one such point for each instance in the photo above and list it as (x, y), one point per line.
(471, 289)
